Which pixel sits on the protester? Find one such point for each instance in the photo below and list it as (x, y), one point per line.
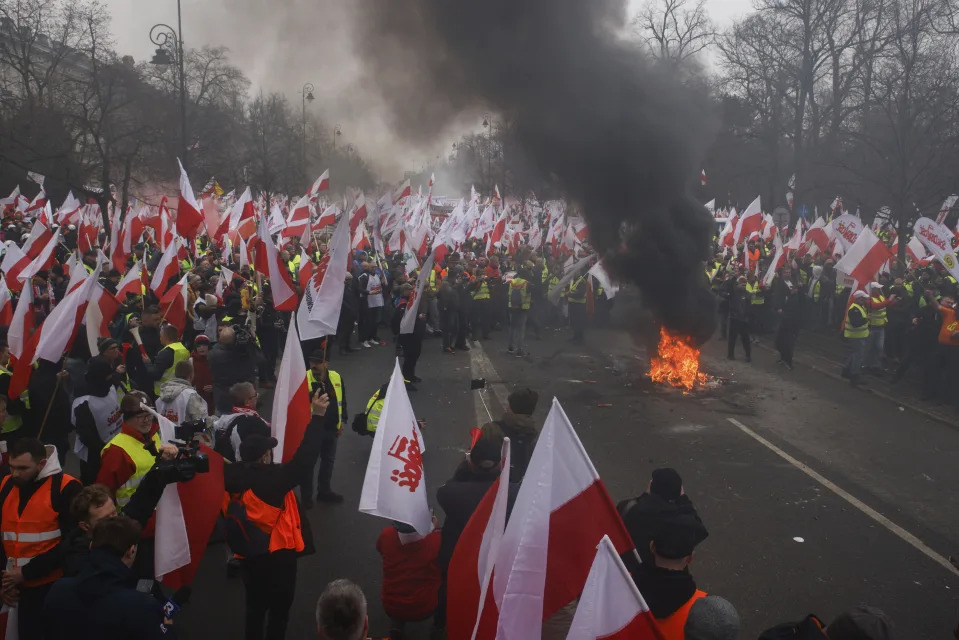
(411, 577)
(712, 618)
(241, 422)
(231, 362)
(516, 424)
(321, 377)
(341, 612)
(179, 401)
(96, 417)
(859, 623)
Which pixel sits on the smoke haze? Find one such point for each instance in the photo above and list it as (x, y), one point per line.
(623, 136)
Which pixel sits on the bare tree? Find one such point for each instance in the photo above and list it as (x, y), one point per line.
(675, 31)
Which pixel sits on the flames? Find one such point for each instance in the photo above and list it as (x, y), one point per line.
(676, 363)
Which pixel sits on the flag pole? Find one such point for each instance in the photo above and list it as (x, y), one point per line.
(56, 387)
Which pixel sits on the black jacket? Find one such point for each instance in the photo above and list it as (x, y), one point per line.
(229, 364)
(739, 303)
(664, 590)
(102, 603)
(648, 514)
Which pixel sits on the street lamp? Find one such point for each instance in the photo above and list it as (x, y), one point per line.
(488, 123)
(307, 93)
(336, 131)
(166, 37)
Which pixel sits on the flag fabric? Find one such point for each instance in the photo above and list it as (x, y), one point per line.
(327, 218)
(189, 214)
(173, 304)
(43, 259)
(945, 208)
(37, 240)
(408, 321)
(394, 486)
(269, 264)
(599, 272)
(864, 259)
(100, 312)
(322, 184)
(846, 229)
(779, 259)
(319, 310)
(292, 408)
(471, 565)
(358, 215)
(60, 327)
(751, 220)
(937, 238)
(167, 268)
(14, 262)
(21, 326)
(702, 178)
(817, 235)
(404, 191)
(611, 607)
(306, 268)
(299, 219)
(6, 305)
(131, 283)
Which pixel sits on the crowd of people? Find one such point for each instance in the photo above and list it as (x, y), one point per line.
(903, 321)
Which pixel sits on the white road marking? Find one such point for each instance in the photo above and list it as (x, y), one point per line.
(894, 528)
(481, 367)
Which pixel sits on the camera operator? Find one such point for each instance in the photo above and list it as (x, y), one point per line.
(102, 601)
(232, 360)
(264, 523)
(127, 458)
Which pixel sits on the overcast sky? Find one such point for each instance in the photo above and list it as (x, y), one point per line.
(282, 44)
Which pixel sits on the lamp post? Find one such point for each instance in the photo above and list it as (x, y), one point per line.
(336, 131)
(164, 36)
(488, 123)
(307, 93)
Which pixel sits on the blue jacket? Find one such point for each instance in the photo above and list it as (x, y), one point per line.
(102, 602)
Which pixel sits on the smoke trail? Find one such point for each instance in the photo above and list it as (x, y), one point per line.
(619, 133)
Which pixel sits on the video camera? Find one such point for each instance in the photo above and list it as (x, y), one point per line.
(188, 462)
(243, 336)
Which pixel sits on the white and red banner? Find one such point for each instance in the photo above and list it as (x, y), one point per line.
(167, 268)
(292, 408)
(394, 486)
(945, 208)
(937, 239)
(864, 259)
(846, 229)
(412, 307)
(189, 214)
(319, 310)
(750, 220)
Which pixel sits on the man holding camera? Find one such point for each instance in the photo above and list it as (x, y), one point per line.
(128, 457)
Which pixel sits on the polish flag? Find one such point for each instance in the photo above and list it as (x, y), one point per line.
(131, 283)
(404, 191)
(168, 267)
(322, 184)
(327, 218)
(21, 326)
(173, 304)
(750, 221)
(394, 486)
(185, 517)
(277, 221)
(863, 260)
(945, 208)
(796, 240)
(60, 328)
(189, 214)
(39, 237)
(37, 204)
(360, 241)
(359, 213)
(726, 235)
(768, 229)
(69, 211)
(408, 322)
(611, 607)
(268, 263)
(779, 259)
(702, 177)
(87, 232)
(470, 572)
(292, 408)
(817, 235)
(319, 310)
(14, 262)
(224, 281)
(560, 515)
(299, 219)
(100, 312)
(306, 268)
(6, 305)
(43, 260)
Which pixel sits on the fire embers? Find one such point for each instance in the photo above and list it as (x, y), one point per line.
(677, 363)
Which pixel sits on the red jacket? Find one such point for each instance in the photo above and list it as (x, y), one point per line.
(202, 377)
(116, 468)
(411, 577)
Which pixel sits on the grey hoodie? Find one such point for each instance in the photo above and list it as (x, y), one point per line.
(196, 408)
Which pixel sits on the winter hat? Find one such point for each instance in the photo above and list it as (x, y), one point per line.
(523, 401)
(666, 483)
(254, 446)
(106, 343)
(486, 453)
(861, 623)
(712, 618)
(201, 339)
(859, 295)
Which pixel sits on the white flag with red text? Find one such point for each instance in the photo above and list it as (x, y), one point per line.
(937, 238)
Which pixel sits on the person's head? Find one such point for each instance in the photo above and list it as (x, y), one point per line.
(150, 317)
(243, 394)
(90, 257)
(226, 335)
(875, 288)
(134, 413)
(318, 363)
(741, 282)
(523, 401)
(787, 272)
(201, 344)
(257, 448)
(860, 623)
(712, 618)
(666, 483)
(168, 334)
(341, 612)
(114, 277)
(28, 457)
(109, 349)
(91, 505)
(118, 536)
(486, 455)
(948, 301)
(184, 370)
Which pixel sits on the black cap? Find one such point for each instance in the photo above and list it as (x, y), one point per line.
(486, 451)
(254, 446)
(666, 484)
(317, 356)
(105, 343)
(523, 401)
(861, 623)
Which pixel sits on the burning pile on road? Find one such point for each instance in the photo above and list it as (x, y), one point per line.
(676, 363)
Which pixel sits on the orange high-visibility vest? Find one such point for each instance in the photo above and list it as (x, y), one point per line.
(35, 531)
(672, 626)
(282, 525)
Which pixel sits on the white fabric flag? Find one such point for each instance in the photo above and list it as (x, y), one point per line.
(319, 310)
(599, 272)
(412, 308)
(172, 544)
(62, 323)
(394, 486)
(937, 239)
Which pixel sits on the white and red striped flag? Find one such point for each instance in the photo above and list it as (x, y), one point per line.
(268, 263)
(394, 486)
(100, 312)
(611, 606)
(21, 326)
(37, 241)
(358, 215)
(327, 218)
(6, 305)
(43, 260)
(189, 214)
(173, 304)
(751, 220)
(168, 267)
(59, 329)
(306, 268)
(322, 184)
(319, 310)
(404, 191)
(298, 220)
(132, 282)
(408, 322)
(14, 262)
(863, 260)
(702, 178)
(292, 408)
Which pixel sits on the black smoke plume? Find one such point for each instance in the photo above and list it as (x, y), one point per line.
(623, 135)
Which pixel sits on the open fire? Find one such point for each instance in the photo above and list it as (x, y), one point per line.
(676, 363)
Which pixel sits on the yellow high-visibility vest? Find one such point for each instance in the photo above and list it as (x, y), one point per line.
(337, 383)
(856, 332)
(180, 353)
(143, 459)
(877, 317)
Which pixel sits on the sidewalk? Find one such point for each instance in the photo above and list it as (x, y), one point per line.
(823, 351)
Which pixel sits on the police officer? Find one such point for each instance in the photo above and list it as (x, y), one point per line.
(34, 516)
(320, 376)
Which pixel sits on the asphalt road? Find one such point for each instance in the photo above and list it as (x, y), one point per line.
(872, 524)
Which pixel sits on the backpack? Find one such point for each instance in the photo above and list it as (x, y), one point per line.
(244, 537)
(223, 442)
(360, 421)
(516, 296)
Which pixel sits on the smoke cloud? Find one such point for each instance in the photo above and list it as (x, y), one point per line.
(622, 135)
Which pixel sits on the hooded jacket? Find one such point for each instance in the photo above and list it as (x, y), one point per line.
(196, 408)
(522, 433)
(102, 602)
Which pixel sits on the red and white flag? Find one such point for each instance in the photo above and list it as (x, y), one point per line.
(404, 191)
(292, 408)
(864, 259)
(937, 238)
(168, 267)
(268, 263)
(277, 222)
(306, 268)
(298, 220)
(173, 304)
(359, 214)
(37, 241)
(14, 262)
(21, 326)
(946, 207)
(132, 282)
(6, 305)
(779, 259)
(846, 229)
(611, 607)
(322, 184)
(408, 322)
(751, 220)
(43, 258)
(100, 312)
(327, 218)
(319, 310)
(224, 281)
(59, 329)
(394, 486)
(702, 178)
(817, 236)
(726, 235)
(189, 214)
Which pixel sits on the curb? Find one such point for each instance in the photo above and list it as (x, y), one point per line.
(885, 396)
